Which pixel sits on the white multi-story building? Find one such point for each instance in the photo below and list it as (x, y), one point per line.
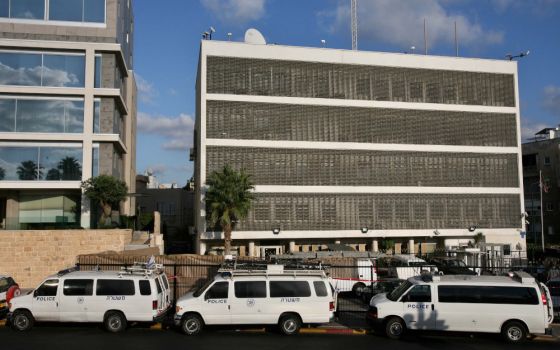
(360, 148)
(67, 108)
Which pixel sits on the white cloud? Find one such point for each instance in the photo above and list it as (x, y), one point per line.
(529, 128)
(551, 99)
(401, 22)
(177, 131)
(146, 91)
(236, 12)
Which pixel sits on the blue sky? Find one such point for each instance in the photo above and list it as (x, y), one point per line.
(168, 34)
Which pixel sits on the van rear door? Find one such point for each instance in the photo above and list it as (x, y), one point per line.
(549, 306)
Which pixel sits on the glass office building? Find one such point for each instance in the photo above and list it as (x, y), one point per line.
(67, 107)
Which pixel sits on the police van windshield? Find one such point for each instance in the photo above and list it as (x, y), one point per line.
(200, 290)
(397, 292)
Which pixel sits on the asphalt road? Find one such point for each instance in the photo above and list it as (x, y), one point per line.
(69, 337)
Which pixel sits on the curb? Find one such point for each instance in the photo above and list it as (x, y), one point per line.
(339, 331)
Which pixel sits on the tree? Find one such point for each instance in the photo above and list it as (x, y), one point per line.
(108, 191)
(2, 173)
(53, 174)
(28, 170)
(70, 168)
(228, 200)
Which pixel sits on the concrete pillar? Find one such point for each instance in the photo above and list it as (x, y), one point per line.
(375, 246)
(251, 248)
(201, 248)
(292, 246)
(157, 222)
(411, 247)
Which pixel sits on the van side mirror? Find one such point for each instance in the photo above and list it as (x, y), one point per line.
(35, 292)
(405, 298)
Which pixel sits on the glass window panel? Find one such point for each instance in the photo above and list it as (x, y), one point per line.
(64, 71)
(27, 9)
(74, 121)
(95, 161)
(61, 163)
(7, 115)
(5, 8)
(66, 10)
(96, 117)
(19, 163)
(40, 116)
(20, 69)
(97, 77)
(94, 11)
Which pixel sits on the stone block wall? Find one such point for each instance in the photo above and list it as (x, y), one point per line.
(30, 256)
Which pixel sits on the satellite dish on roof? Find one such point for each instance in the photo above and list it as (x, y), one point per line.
(253, 36)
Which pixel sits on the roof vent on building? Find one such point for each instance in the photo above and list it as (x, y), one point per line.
(253, 36)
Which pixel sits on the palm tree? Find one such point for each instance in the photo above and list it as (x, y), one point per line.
(2, 173)
(28, 170)
(228, 200)
(70, 168)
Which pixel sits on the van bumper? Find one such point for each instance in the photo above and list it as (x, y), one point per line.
(163, 315)
(4, 313)
(177, 320)
(548, 331)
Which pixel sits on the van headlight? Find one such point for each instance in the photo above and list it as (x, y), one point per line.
(178, 309)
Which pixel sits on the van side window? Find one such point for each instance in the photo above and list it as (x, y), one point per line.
(280, 289)
(145, 288)
(115, 287)
(419, 294)
(47, 289)
(320, 289)
(218, 291)
(165, 282)
(488, 295)
(251, 289)
(77, 287)
(158, 286)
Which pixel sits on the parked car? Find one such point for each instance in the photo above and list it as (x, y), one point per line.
(383, 286)
(451, 266)
(355, 278)
(554, 287)
(114, 298)
(272, 296)
(8, 290)
(513, 306)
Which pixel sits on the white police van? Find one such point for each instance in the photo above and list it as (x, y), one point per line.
(268, 296)
(136, 293)
(513, 306)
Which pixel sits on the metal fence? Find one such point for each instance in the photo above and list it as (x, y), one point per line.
(356, 280)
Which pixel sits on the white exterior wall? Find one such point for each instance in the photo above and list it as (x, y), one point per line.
(322, 55)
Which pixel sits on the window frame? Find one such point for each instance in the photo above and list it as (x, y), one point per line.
(47, 21)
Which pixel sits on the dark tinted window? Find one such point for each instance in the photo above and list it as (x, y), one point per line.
(165, 282)
(320, 289)
(78, 287)
(47, 289)
(279, 289)
(145, 288)
(255, 289)
(218, 291)
(158, 286)
(115, 287)
(488, 295)
(419, 294)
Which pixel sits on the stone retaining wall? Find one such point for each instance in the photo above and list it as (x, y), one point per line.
(30, 256)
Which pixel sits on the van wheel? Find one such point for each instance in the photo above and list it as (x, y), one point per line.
(514, 332)
(22, 321)
(358, 288)
(290, 324)
(115, 322)
(395, 328)
(191, 324)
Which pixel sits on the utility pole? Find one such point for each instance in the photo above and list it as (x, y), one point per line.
(354, 23)
(541, 184)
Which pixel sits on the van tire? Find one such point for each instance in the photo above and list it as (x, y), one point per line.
(358, 288)
(289, 324)
(22, 321)
(114, 322)
(514, 332)
(395, 328)
(191, 324)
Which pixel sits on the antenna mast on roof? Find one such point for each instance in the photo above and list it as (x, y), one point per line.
(354, 23)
